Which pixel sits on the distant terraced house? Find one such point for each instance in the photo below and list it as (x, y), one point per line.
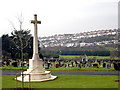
(74, 40)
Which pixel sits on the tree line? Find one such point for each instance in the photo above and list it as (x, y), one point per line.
(75, 51)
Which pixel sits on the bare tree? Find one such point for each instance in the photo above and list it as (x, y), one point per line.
(21, 39)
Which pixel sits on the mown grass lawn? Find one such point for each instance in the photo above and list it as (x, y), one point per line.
(67, 81)
(90, 57)
(80, 69)
(62, 68)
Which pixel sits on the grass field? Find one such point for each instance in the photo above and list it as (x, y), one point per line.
(12, 68)
(67, 81)
(90, 57)
(68, 56)
(62, 68)
(80, 69)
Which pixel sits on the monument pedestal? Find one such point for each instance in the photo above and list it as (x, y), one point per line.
(36, 72)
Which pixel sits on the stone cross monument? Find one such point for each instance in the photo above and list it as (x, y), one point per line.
(35, 41)
(36, 70)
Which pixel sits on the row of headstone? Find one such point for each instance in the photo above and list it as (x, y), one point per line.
(65, 63)
(76, 64)
(14, 64)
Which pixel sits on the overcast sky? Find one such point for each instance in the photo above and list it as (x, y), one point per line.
(59, 16)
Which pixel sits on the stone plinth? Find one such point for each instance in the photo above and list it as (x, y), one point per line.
(37, 77)
(37, 73)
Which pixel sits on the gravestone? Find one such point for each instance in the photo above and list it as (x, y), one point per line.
(7, 63)
(86, 58)
(59, 62)
(72, 63)
(57, 66)
(79, 65)
(104, 65)
(46, 66)
(108, 66)
(117, 66)
(99, 62)
(15, 64)
(25, 64)
(95, 60)
(62, 65)
(111, 64)
(49, 63)
(3, 63)
(95, 65)
(76, 63)
(20, 64)
(67, 65)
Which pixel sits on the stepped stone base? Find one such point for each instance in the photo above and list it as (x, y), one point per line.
(37, 77)
(36, 72)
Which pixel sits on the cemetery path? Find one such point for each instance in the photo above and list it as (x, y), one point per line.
(68, 72)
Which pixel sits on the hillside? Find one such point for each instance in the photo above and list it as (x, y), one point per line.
(100, 37)
(96, 43)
